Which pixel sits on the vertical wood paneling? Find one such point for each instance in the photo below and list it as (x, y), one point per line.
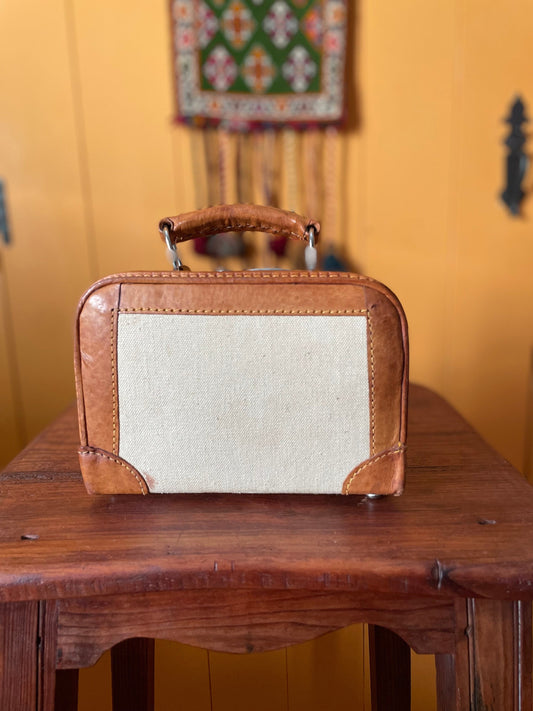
(95, 686)
(528, 448)
(242, 682)
(181, 678)
(11, 432)
(423, 682)
(45, 268)
(490, 316)
(327, 673)
(406, 71)
(125, 88)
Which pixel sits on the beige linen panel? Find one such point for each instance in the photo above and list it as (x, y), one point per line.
(241, 403)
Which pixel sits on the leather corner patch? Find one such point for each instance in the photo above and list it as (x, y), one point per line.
(106, 473)
(381, 474)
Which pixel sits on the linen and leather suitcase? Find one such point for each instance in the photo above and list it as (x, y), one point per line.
(251, 381)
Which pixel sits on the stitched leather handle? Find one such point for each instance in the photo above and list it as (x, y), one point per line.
(238, 218)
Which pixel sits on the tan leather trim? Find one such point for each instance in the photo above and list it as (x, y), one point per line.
(239, 218)
(387, 367)
(80, 399)
(381, 474)
(371, 381)
(114, 378)
(244, 311)
(106, 473)
(95, 368)
(262, 296)
(295, 277)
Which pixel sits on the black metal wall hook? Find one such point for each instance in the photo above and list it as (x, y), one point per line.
(516, 161)
(4, 222)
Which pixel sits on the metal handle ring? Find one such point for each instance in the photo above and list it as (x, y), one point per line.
(176, 262)
(311, 254)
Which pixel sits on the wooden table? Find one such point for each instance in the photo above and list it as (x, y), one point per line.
(448, 567)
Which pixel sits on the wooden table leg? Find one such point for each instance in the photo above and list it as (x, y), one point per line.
(132, 670)
(19, 623)
(491, 667)
(66, 696)
(390, 670)
(27, 656)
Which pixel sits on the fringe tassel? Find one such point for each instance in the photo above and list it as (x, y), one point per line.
(332, 250)
(331, 193)
(197, 145)
(207, 190)
(228, 244)
(256, 140)
(291, 168)
(287, 168)
(244, 157)
(277, 244)
(243, 186)
(269, 187)
(211, 165)
(311, 162)
(223, 164)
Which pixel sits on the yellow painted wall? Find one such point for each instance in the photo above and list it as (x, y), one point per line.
(91, 161)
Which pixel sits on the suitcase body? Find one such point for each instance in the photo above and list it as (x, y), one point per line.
(252, 382)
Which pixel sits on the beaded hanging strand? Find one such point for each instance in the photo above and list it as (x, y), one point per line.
(312, 149)
(244, 183)
(211, 165)
(333, 258)
(331, 193)
(275, 244)
(244, 170)
(291, 171)
(206, 184)
(223, 164)
(196, 144)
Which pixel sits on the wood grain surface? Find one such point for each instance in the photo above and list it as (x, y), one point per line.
(243, 621)
(491, 665)
(463, 527)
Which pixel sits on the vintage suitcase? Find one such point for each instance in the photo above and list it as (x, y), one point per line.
(252, 381)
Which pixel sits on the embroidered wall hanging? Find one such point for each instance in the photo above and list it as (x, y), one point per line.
(262, 83)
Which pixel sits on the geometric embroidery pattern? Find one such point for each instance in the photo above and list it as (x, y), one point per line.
(220, 69)
(206, 24)
(280, 24)
(245, 64)
(258, 69)
(238, 24)
(312, 26)
(299, 69)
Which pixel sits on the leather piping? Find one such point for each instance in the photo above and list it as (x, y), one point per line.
(110, 467)
(377, 461)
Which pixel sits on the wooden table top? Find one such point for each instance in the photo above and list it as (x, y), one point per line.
(463, 527)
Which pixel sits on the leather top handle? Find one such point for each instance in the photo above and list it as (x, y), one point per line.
(238, 218)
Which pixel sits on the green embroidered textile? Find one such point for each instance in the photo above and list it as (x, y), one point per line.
(244, 64)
